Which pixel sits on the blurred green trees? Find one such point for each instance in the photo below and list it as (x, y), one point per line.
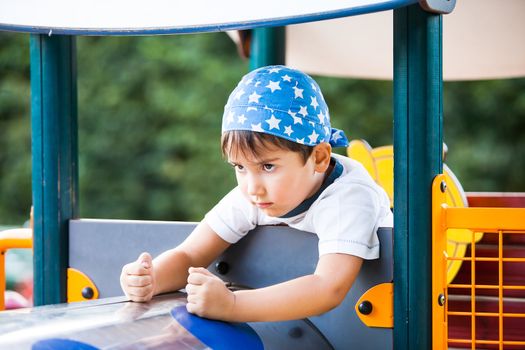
(15, 133)
(150, 113)
(149, 125)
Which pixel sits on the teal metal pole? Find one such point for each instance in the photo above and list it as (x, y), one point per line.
(267, 47)
(418, 140)
(55, 161)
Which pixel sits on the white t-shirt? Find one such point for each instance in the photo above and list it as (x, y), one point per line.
(345, 216)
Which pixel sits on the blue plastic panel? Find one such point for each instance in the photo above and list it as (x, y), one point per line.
(218, 335)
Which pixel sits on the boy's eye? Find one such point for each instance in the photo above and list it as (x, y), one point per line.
(238, 167)
(268, 167)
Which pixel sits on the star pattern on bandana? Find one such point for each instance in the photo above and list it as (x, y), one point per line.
(254, 97)
(239, 94)
(313, 137)
(298, 92)
(303, 111)
(273, 85)
(257, 127)
(337, 135)
(273, 122)
(229, 118)
(241, 119)
(281, 101)
(297, 120)
(314, 103)
(320, 115)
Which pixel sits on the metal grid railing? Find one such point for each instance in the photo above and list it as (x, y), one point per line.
(488, 306)
(484, 306)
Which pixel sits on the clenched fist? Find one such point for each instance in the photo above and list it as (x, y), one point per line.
(208, 295)
(137, 279)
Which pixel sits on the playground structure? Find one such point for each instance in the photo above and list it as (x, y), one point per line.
(421, 291)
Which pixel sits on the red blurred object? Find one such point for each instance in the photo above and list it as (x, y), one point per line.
(15, 300)
(25, 288)
(496, 199)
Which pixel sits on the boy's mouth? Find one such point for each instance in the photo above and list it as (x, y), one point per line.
(263, 205)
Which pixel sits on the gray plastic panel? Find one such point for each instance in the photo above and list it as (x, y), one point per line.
(99, 248)
(273, 254)
(268, 255)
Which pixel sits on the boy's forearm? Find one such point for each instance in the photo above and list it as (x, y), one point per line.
(171, 271)
(199, 249)
(299, 298)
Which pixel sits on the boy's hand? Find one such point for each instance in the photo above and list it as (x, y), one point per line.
(137, 279)
(208, 296)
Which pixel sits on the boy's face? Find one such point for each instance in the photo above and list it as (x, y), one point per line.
(277, 181)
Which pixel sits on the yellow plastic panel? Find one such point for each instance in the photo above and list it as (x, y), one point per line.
(384, 159)
(383, 172)
(381, 297)
(77, 282)
(360, 150)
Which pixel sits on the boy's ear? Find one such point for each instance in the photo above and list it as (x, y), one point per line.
(322, 154)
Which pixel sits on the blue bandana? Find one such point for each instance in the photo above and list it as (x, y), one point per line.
(283, 102)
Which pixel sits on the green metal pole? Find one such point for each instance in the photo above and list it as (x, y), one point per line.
(418, 140)
(55, 161)
(267, 47)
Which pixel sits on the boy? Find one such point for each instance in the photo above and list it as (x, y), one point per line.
(277, 136)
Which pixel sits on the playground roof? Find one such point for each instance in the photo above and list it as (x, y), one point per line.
(323, 37)
(122, 17)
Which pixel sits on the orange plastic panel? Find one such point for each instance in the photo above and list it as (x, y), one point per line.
(382, 299)
(11, 239)
(77, 281)
(480, 310)
(439, 273)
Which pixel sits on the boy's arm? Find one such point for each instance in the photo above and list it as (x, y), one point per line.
(298, 298)
(142, 279)
(201, 247)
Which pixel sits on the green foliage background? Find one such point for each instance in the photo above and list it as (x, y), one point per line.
(149, 125)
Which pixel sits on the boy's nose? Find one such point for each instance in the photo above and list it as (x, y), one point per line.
(254, 186)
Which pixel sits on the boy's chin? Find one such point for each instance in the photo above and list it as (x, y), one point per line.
(275, 213)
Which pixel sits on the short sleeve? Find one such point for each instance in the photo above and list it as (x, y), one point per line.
(232, 217)
(346, 221)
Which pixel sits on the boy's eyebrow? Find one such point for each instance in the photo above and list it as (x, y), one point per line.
(269, 160)
(262, 161)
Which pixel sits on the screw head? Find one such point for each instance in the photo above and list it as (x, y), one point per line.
(443, 186)
(295, 332)
(365, 307)
(441, 299)
(222, 267)
(88, 293)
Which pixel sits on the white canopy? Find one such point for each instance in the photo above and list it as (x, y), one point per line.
(482, 39)
(125, 17)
